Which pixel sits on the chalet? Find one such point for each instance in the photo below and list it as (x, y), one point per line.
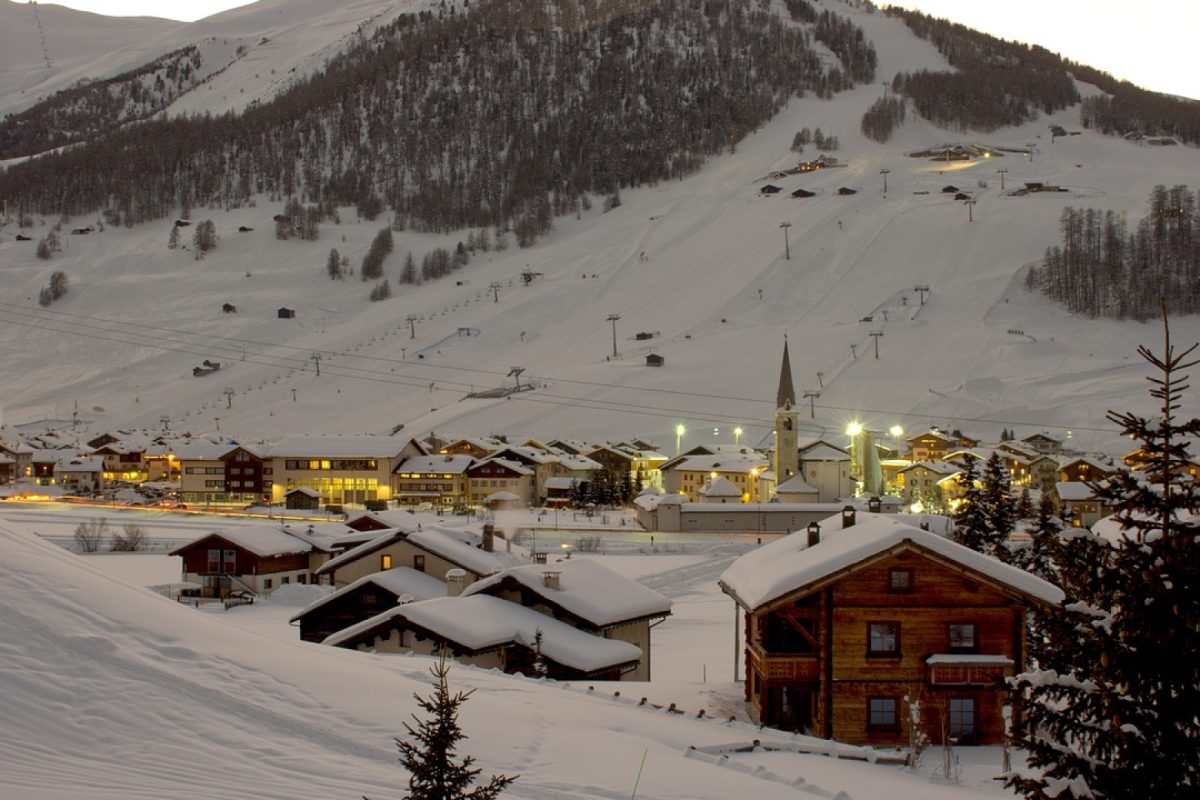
(255, 559)
(642, 463)
(1082, 469)
(801, 193)
(81, 474)
(491, 633)
(42, 464)
(363, 599)
(587, 596)
(499, 474)
(1044, 444)
(845, 190)
(228, 308)
(655, 360)
(124, 460)
(740, 466)
(302, 499)
(286, 313)
(8, 469)
(430, 550)
(770, 188)
(931, 445)
(921, 481)
(438, 479)
(842, 626)
(949, 189)
(244, 229)
(962, 196)
(1043, 473)
(476, 448)
(21, 455)
(1080, 506)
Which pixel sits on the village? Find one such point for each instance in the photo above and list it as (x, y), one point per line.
(422, 545)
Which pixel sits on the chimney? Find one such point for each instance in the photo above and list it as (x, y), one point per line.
(874, 505)
(489, 537)
(925, 526)
(456, 581)
(848, 516)
(550, 578)
(814, 534)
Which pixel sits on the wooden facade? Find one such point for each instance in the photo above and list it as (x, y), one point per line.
(839, 658)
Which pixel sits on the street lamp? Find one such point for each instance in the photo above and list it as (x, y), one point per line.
(787, 249)
(854, 428)
(884, 173)
(737, 436)
(896, 431)
(679, 431)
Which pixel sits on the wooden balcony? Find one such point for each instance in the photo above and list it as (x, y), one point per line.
(785, 667)
(968, 670)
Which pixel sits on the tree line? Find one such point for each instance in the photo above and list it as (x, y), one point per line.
(1103, 269)
(486, 118)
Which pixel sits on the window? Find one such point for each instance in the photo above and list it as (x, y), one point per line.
(230, 561)
(419, 563)
(285, 580)
(301, 579)
(962, 719)
(962, 637)
(881, 713)
(900, 580)
(266, 583)
(883, 639)
(214, 560)
(385, 561)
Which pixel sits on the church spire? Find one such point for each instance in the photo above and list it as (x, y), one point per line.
(786, 396)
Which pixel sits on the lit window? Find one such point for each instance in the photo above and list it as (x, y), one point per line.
(883, 638)
(385, 561)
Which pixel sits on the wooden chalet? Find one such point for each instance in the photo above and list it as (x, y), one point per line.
(585, 595)
(363, 599)
(255, 559)
(931, 445)
(843, 625)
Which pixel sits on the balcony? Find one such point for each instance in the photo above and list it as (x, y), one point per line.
(785, 667)
(961, 669)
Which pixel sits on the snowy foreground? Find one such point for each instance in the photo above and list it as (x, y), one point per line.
(112, 691)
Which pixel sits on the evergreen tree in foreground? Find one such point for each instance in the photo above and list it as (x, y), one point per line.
(434, 774)
(1112, 710)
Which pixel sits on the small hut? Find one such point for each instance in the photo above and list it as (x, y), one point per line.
(287, 313)
(302, 498)
(655, 360)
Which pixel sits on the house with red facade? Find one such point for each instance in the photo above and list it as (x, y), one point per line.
(255, 559)
(842, 625)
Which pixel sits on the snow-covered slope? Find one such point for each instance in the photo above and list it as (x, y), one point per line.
(114, 692)
(699, 262)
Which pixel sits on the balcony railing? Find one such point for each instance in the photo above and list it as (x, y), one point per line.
(785, 667)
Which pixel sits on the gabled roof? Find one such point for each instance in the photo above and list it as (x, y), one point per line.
(512, 466)
(481, 623)
(937, 434)
(398, 582)
(262, 540)
(795, 485)
(450, 464)
(940, 467)
(588, 591)
(336, 447)
(201, 451)
(443, 544)
(1074, 491)
(720, 487)
(819, 450)
(788, 566)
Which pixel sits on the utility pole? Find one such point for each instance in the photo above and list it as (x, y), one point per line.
(228, 396)
(1030, 145)
(787, 248)
(854, 351)
(317, 358)
(1002, 173)
(411, 319)
(218, 421)
(884, 173)
(515, 373)
(821, 379)
(613, 319)
(970, 210)
(811, 397)
(923, 290)
(495, 287)
(293, 395)
(875, 335)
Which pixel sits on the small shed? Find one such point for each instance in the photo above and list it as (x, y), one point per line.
(845, 190)
(244, 229)
(962, 196)
(229, 308)
(803, 193)
(948, 189)
(770, 188)
(501, 501)
(287, 313)
(655, 360)
(302, 498)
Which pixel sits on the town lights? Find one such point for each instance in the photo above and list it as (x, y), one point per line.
(854, 429)
(679, 431)
(896, 431)
(737, 436)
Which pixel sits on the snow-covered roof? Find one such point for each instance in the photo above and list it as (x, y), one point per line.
(80, 465)
(561, 482)
(439, 464)
(514, 466)
(480, 623)
(304, 490)
(823, 451)
(201, 451)
(262, 540)
(502, 497)
(399, 581)
(721, 462)
(788, 565)
(650, 502)
(1074, 491)
(392, 518)
(445, 544)
(336, 446)
(720, 486)
(795, 485)
(578, 463)
(940, 467)
(586, 590)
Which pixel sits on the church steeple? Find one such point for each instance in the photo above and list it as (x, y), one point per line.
(786, 396)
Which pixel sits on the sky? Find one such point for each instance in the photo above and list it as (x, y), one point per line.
(1150, 43)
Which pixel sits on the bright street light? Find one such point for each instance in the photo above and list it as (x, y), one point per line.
(737, 436)
(679, 431)
(896, 431)
(854, 429)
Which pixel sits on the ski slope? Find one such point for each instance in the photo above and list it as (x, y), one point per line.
(699, 261)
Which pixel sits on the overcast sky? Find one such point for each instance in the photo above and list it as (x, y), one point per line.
(1150, 42)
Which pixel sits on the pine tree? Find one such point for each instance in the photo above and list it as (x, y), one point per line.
(1112, 710)
(998, 507)
(434, 772)
(334, 265)
(173, 238)
(971, 526)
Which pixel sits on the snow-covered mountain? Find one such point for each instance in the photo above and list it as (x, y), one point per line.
(698, 263)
